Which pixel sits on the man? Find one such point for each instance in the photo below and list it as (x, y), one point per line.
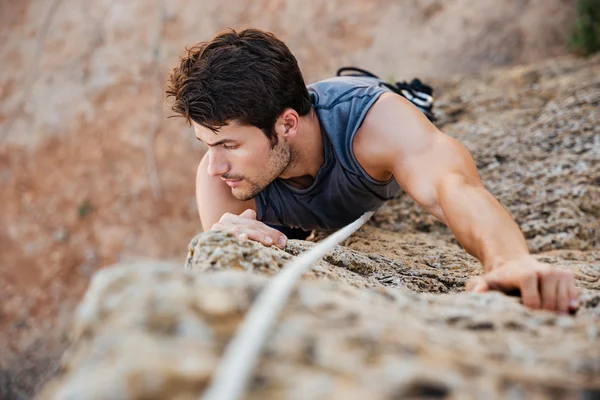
(282, 154)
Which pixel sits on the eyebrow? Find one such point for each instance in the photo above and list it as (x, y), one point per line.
(220, 142)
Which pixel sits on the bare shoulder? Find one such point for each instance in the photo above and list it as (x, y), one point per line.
(392, 128)
(214, 197)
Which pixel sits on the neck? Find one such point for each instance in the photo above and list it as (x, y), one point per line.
(309, 149)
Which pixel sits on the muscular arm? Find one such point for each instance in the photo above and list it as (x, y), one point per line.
(439, 173)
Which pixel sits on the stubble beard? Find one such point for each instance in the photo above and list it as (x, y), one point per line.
(283, 158)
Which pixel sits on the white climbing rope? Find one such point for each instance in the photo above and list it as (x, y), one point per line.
(241, 355)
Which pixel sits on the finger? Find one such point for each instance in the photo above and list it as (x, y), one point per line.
(231, 225)
(278, 238)
(477, 285)
(573, 294)
(281, 241)
(257, 231)
(227, 217)
(245, 233)
(549, 284)
(530, 294)
(248, 214)
(562, 292)
(234, 219)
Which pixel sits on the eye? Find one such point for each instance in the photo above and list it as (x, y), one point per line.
(229, 147)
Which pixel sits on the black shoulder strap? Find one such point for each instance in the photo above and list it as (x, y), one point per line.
(418, 93)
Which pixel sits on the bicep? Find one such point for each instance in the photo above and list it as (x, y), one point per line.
(214, 198)
(426, 174)
(423, 159)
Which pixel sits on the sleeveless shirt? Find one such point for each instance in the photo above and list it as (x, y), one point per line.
(342, 190)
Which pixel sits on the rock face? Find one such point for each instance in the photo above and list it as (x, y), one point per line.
(91, 170)
(383, 316)
(158, 332)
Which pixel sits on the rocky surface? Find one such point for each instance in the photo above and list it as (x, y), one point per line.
(384, 314)
(91, 172)
(158, 332)
(210, 251)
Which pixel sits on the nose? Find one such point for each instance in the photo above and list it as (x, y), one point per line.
(217, 166)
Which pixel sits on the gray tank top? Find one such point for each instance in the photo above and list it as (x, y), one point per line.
(342, 190)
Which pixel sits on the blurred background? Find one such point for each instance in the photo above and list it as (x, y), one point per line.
(93, 172)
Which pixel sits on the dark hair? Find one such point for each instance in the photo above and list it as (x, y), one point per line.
(248, 76)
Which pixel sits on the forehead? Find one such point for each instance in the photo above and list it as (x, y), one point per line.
(231, 130)
(248, 135)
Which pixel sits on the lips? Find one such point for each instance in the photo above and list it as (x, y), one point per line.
(233, 182)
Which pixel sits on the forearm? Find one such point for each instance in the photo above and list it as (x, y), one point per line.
(481, 224)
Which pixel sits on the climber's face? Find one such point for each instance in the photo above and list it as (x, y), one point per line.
(244, 158)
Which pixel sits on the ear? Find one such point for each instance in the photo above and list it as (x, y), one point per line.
(287, 124)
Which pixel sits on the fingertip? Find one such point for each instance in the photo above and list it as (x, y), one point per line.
(574, 304)
(469, 285)
(249, 213)
(282, 241)
(476, 285)
(574, 301)
(268, 240)
(481, 287)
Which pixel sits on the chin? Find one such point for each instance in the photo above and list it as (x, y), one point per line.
(246, 194)
(241, 194)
